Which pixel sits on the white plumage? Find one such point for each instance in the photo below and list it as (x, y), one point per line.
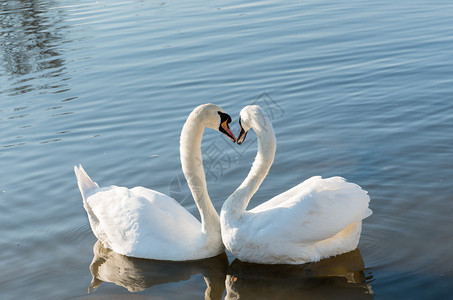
(316, 219)
(144, 223)
(140, 222)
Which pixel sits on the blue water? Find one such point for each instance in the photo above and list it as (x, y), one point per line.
(357, 89)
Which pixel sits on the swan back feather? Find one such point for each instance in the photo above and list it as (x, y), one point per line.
(140, 222)
(317, 209)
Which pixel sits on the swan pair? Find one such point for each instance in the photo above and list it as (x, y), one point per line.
(316, 219)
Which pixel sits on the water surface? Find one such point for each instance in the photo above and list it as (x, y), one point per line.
(359, 90)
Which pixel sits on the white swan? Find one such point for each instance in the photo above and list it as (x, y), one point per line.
(143, 223)
(316, 219)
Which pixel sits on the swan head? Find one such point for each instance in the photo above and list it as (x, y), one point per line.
(216, 118)
(251, 117)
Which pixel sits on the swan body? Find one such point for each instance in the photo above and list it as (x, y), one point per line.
(144, 223)
(316, 219)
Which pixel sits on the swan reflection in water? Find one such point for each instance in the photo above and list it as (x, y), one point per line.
(137, 274)
(339, 277)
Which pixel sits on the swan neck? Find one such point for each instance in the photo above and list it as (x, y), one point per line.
(237, 203)
(192, 167)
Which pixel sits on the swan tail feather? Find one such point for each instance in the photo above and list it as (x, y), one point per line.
(85, 183)
(87, 187)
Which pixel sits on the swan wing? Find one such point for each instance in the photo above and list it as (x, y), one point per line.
(311, 211)
(287, 195)
(141, 222)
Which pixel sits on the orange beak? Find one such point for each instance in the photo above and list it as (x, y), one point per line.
(227, 131)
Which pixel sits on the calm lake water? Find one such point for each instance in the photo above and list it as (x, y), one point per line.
(359, 89)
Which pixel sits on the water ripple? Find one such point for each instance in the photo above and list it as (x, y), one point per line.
(364, 89)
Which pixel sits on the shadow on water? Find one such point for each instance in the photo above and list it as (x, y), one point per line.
(341, 277)
(137, 274)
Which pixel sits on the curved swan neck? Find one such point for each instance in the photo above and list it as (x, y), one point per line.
(192, 167)
(237, 203)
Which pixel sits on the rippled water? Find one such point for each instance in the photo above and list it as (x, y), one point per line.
(358, 89)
